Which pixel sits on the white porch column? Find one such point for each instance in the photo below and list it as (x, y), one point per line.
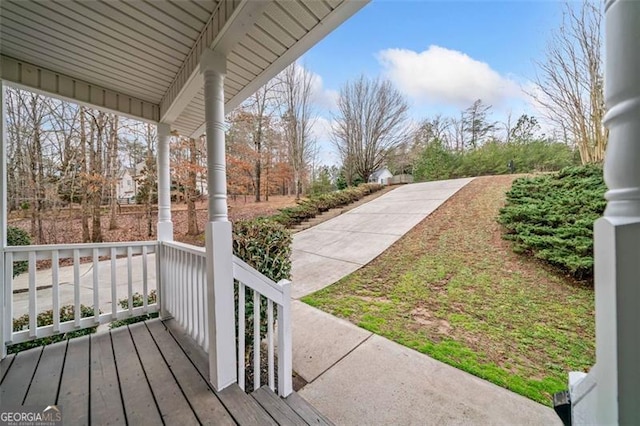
(610, 394)
(3, 223)
(165, 225)
(220, 300)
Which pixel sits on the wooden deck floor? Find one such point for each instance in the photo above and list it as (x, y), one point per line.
(143, 374)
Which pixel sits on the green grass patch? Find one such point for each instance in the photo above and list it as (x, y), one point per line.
(453, 289)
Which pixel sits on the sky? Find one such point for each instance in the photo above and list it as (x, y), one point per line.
(442, 55)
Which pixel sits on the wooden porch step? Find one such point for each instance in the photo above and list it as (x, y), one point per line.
(277, 407)
(263, 407)
(307, 411)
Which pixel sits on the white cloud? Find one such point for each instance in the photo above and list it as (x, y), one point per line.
(322, 97)
(321, 129)
(443, 76)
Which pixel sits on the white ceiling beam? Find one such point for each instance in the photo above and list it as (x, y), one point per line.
(227, 25)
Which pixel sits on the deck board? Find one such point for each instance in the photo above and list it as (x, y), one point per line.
(4, 366)
(44, 386)
(145, 373)
(17, 380)
(104, 395)
(204, 402)
(174, 407)
(277, 408)
(73, 395)
(139, 402)
(245, 411)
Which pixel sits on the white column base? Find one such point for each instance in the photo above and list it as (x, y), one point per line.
(220, 305)
(165, 231)
(3, 338)
(583, 390)
(609, 393)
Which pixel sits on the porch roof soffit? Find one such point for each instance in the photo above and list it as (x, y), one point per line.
(141, 59)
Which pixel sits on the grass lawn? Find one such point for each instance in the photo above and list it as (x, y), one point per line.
(453, 289)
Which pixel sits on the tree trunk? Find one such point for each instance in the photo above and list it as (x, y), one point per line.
(113, 166)
(85, 195)
(192, 218)
(95, 157)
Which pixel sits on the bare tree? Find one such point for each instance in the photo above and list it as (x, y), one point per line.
(260, 104)
(33, 104)
(569, 84)
(371, 120)
(191, 190)
(297, 119)
(96, 180)
(475, 125)
(112, 171)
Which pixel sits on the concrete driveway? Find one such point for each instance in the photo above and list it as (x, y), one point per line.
(334, 249)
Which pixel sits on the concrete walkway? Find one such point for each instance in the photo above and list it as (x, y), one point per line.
(358, 378)
(43, 278)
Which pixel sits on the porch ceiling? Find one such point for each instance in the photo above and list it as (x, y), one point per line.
(141, 57)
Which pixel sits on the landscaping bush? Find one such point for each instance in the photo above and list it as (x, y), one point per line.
(67, 313)
(18, 237)
(265, 245)
(551, 217)
(315, 204)
(137, 302)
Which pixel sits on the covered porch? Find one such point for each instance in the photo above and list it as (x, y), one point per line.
(180, 65)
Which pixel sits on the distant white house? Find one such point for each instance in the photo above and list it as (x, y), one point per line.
(380, 176)
(127, 184)
(126, 187)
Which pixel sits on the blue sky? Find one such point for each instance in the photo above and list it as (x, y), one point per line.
(441, 54)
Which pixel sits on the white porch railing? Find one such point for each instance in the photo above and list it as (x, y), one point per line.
(184, 288)
(99, 274)
(262, 289)
(184, 281)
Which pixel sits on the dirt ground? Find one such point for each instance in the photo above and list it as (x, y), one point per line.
(64, 226)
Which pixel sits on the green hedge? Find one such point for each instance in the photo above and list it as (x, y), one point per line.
(316, 204)
(18, 237)
(138, 300)
(437, 161)
(265, 245)
(551, 217)
(67, 313)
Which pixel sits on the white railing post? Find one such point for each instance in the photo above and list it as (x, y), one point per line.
(165, 225)
(220, 300)
(285, 345)
(3, 222)
(610, 393)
